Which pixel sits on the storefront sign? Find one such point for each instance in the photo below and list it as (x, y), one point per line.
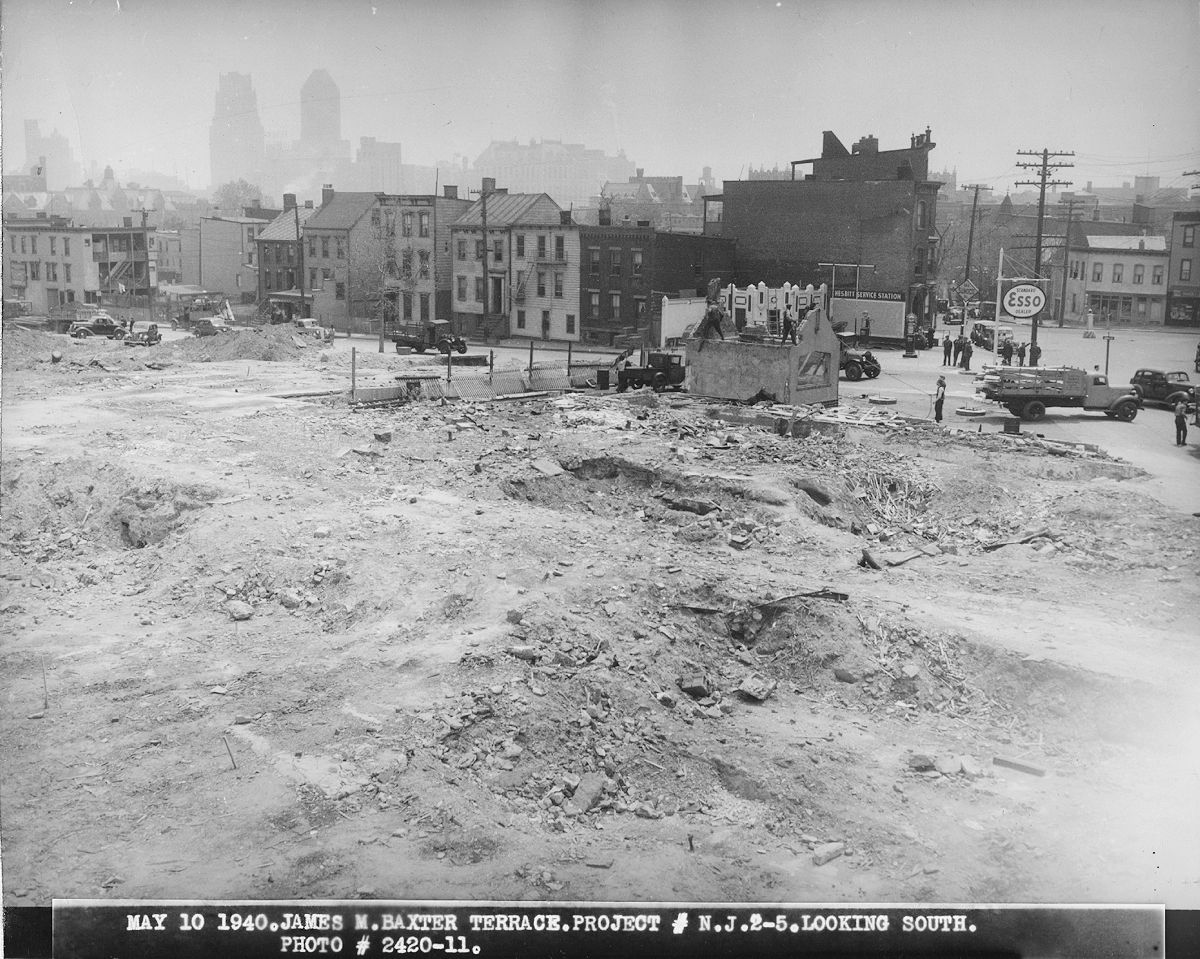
(869, 295)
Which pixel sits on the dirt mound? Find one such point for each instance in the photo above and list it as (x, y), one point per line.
(267, 343)
(25, 348)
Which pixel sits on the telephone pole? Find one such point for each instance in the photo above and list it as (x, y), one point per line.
(971, 233)
(1062, 301)
(1044, 166)
(149, 286)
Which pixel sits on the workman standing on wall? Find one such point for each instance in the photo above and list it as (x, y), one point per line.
(789, 327)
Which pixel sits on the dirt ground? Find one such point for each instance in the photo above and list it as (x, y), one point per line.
(589, 647)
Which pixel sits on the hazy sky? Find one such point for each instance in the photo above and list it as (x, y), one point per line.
(677, 85)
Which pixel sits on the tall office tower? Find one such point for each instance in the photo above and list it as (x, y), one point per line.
(320, 112)
(235, 138)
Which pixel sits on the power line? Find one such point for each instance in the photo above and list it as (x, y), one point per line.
(1044, 168)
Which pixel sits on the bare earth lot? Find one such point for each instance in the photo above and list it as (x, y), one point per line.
(499, 655)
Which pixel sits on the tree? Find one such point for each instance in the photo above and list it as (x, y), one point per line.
(233, 196)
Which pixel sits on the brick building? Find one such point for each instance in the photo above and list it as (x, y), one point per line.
(417, 256)
(228, 255)
(625, 270)
(281, 259)
(1183, 271)
(862, 206)
(342, 257)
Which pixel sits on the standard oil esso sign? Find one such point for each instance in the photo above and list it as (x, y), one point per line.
(1024, 300)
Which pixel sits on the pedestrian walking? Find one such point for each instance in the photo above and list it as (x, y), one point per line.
(1006, 352)
(1021, 355)
(1181, 423)
(939, 399)
(968, 349)
(947, 346)
(958, 347)
(1035, 354)
(789, 328)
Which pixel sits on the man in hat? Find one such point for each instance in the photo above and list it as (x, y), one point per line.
(939, 399)
(947, 346)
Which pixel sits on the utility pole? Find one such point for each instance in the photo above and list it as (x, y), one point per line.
(971, 233)
(1062, 302)
(149, 286)
(483, 193)
(299, 260)
(1044, 166)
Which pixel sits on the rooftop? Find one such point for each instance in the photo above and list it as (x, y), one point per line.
(1153, 244)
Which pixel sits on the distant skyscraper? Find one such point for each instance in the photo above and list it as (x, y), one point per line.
(320, 112)
(60, 168)
(236, 135)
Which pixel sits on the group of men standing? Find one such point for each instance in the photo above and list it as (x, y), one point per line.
(957, 352)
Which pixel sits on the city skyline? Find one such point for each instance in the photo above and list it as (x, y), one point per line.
(661, 82)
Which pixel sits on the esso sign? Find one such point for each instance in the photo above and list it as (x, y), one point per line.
(1024, 300)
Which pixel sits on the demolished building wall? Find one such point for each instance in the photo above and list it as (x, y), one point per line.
(794, 374)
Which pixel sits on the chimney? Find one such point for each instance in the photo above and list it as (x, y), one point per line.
(308, 204)
(450, 192)
(564, 217)
(641, 172)
(326, 194)
(289, 201)
(643, 222)
(867, 145)
(1141, 244)
(128, 221)
(489, 184)
(606, 216)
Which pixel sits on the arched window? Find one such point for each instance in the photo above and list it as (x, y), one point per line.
(922, 217)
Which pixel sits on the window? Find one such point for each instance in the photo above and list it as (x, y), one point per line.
(614, 263)
(423, 261)
(324, 246)
(1185, 270)
(424, 307)
(424, 224)
(1189, 237)
(920, 260)
(615, 303)
(594, 260)
(326, 276)
(406, 224)
(922, 215)
(570, 323)
(541, 248)
(1139, 273)
(312, 278)
(406, 262)
(1097, 272)
(66, 246)
(461, 282)
(558, 285)
(339, 291)
(1141, 306)
(312, 246)
(594, 304)
(521, 245)
(341, 248)
(66, 272)
(637, 262)
(250, 236)
(406, 307)
(35, 269)
(497, 251)
(559, 251)
(1074, 269)
(53, 245)
(279, 279)
(461, 249)
(12, 239)
(1157, 276)
(250, 254)
(545, 321)
(52, 272)
(520, 319)
(33, 244)
(291, 252)
(479, 289)
(541, 284)
(479, 249)
(639, 306)
(1118, 272)
(267, 281)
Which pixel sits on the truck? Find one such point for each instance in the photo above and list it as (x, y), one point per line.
(662, 370)
(1029, 391)
(434, 335)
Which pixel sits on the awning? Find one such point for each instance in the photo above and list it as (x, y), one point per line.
(289, 296)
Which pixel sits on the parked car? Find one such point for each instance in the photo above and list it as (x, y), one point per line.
(209, 326)
(310, 327)
(147, 337)
(856, 363)
(1159, 386)
(98, 324)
